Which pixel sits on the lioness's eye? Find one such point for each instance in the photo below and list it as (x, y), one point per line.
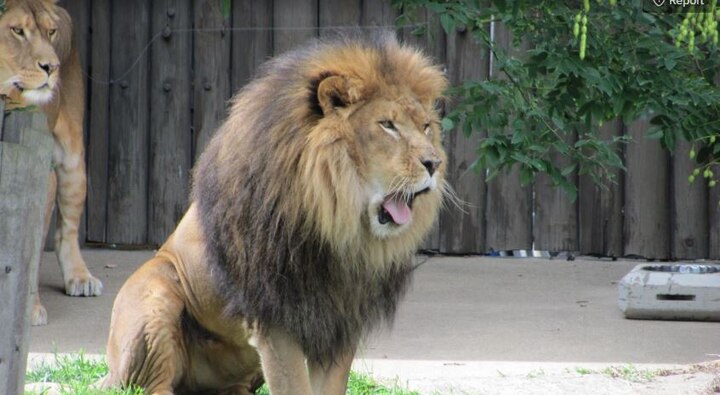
(52, 32)
(427, 129)
(388, 125)
(18, 31)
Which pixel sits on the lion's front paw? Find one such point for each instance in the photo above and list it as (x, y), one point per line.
(83, 286)
(39, 315)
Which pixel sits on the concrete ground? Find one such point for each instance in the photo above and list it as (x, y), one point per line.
(470, 325)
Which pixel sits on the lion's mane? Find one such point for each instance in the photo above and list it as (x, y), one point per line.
(281, 205)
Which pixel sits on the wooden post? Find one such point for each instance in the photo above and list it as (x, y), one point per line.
(25, 157)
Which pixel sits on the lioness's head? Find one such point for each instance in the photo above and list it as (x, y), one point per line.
(35, 37)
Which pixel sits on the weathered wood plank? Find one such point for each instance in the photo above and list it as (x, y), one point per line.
(688, 218)
(556, 223)
(99, 122)
(714, 223)
(295, 22)
(378, 13)
(647, 205)
(170, 121)
(600, 207)
(253, 46)
(509, 204)
(127, 215)
(211, 64)
(334, 16)
(415, 33)
(24, 169)
(464, 232)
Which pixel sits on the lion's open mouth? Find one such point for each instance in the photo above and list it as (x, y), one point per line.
(397, 208)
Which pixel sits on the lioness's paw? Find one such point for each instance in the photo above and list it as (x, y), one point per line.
(89, 286)
(39, 315)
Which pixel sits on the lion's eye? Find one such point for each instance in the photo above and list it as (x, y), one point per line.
(52, 32)
(427, 129)
(388, 125)
(17, 30)
(389, 128)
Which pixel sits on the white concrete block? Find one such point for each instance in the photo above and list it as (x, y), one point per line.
(671, 292)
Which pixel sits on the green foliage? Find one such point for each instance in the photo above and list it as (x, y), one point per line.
(701, 23)
(76, 373)
(708, 158)
(550, 100)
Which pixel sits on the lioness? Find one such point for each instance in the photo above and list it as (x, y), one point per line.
(40, 66)
(307, 208)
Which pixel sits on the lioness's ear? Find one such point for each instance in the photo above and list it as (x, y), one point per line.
(335, 91)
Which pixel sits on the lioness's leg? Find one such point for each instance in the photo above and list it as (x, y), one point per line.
(283, 363)
(331, 378)
(71, 194)
(146, 344)
(39, 314)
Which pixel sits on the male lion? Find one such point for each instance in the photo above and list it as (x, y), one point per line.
(307, 208)
(37, 54)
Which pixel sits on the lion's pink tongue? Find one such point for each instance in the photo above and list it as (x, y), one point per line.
(398, 209)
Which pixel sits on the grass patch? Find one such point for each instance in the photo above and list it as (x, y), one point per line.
(630, 373)
(535, 373)
(76, 373)
(583, 371)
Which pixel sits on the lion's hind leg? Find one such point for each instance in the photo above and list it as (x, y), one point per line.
(146, 346)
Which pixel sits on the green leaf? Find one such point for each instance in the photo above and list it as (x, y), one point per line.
(655, 133)
(569, 169)
(447, 124)
(447, 23)
(526, 175)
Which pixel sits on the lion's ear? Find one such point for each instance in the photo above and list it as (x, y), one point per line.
(336, 91)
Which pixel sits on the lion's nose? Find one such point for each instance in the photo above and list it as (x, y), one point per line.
(49, 68)
(430, 165)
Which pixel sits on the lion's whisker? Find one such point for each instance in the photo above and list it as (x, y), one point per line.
(452, 197)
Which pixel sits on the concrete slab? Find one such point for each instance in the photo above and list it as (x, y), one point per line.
(469, 315)
(671, 292)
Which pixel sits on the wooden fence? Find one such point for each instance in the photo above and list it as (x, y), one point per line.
(161, 72)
